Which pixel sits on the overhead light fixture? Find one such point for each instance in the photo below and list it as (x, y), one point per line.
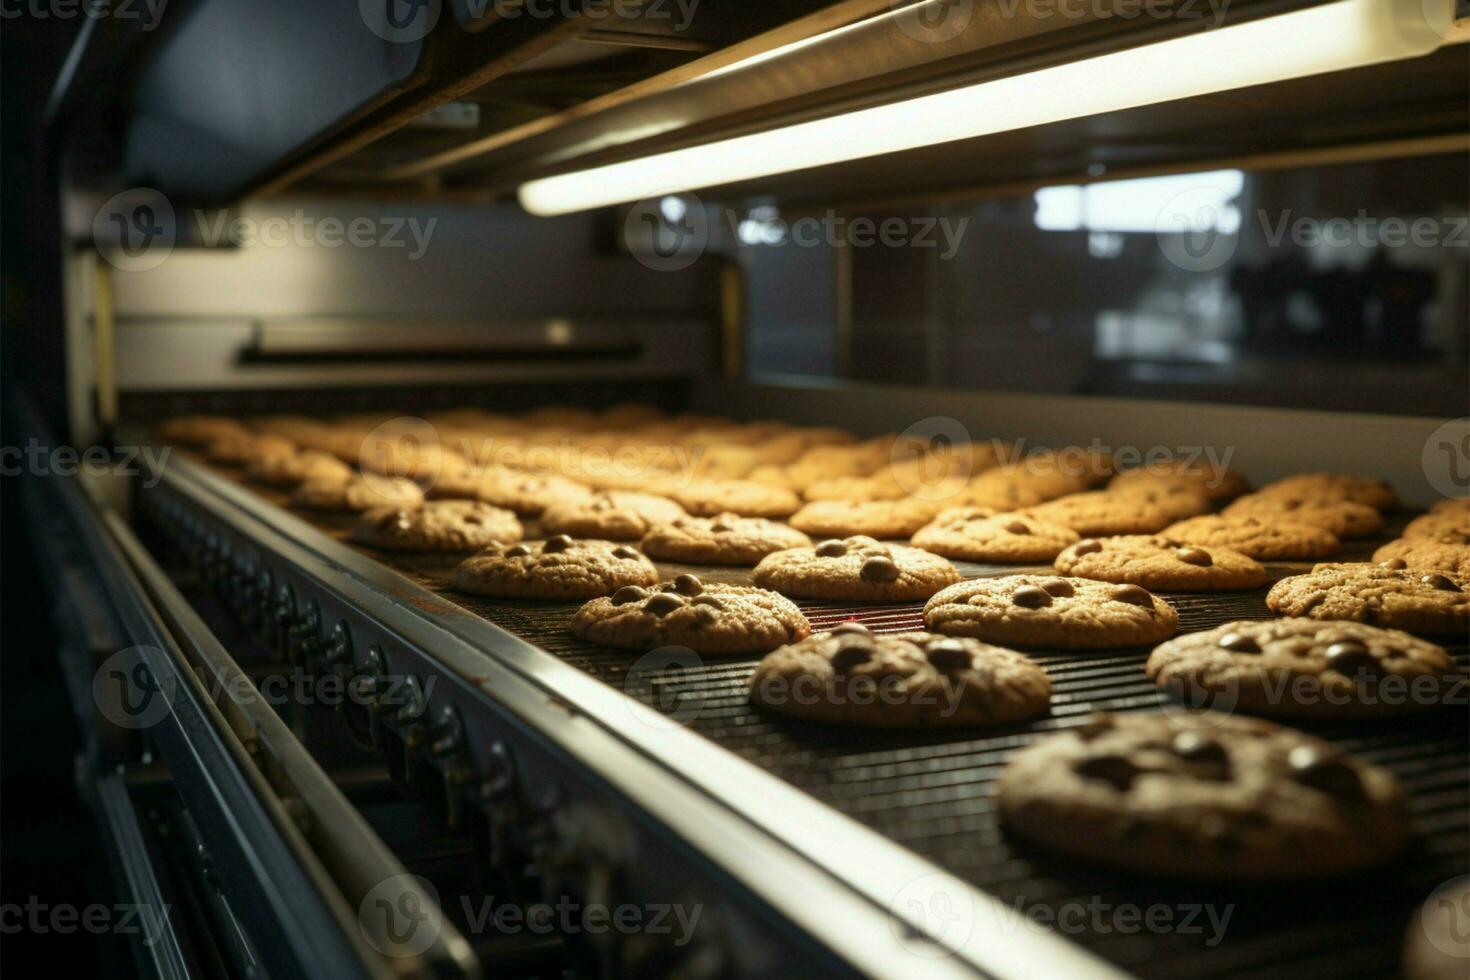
(1327, 38)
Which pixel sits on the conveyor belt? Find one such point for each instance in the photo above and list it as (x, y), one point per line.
(930, 791)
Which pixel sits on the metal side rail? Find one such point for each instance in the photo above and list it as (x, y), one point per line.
(823, 879)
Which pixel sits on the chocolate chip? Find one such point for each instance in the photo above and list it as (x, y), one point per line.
(1086, 546)
(663, 603)
(1441, 582)
(398, 517)
(1095, 726)
(707, 600)
(559, 543)
(1351, 658)
(517, 551)
(1332, 774)
(850, 627)
(879, 568)
(1201, 748)
(1016, 527)
(688, 585)
(1239, 643)
(1195, 556)
(1134, 595)
(1059, 587)
(720, 527)
(627, 594)
(1115, 770)
(948, 656)
(1394, 564)
(831, 549)
(1031, 597)
(623, 551)
(850, 655)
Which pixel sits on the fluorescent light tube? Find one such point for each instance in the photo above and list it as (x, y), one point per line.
(1332, 37)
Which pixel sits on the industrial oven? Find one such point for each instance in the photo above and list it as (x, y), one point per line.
(314, 759)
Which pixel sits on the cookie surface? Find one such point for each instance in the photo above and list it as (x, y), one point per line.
(558, 568)
(744, 497)
(1264, 539)
(1334, 487)
(1303, 668)
(707, 618)
(1426, 556)
(1176, 499)
(1398, 598)
(438, 525)
(1451, 505)
(1214, 481)
(290, 469)
(887, 520)
(852, 676)
(856, 568)
(358, 493)
(1343, 518)
(975, 534)
(1225, 798)
(1099, 512)
(1160, 562)
(725, 539)
(613, 515)
(1445, 527)
(528, 494)
(1048, 610)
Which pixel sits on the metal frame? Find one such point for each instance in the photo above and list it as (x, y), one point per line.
(826, 877)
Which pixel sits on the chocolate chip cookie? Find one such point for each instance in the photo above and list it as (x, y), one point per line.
(1445, 527)
(1343, 518)
(528, 494)
(1383, 595)
(613, 515)
(707, 498)
(358, 493)
(558, 568)
(855, 568)
(993, 537)
(1047, 610)
(1303, 668)
(439, 525)
(1263, 539)
(886, 520)
(1426, 556)
(1160, 562)
(1226, 798)
(725, 539)
(1451, 505)
(1334, 488)
(1099, 512)
(707, 618)
(1216, 483)
(288, 470)
(851, 676)
(1177, 500)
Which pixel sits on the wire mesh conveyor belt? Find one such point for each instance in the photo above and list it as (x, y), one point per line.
(931, 792)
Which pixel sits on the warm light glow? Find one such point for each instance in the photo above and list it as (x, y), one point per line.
(1331, 37)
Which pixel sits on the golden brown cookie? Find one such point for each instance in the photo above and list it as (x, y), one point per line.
(725, 539)
(1177, 499)
(1333, 488)
(993, 537)
(525, 493)
(613, 515)
(851, 676)
(1098, 512)
(1160, 562)
(1451, 505)
(558, 568)
(244, 448)
(1342, 517)
(1223, 797)
(855, 568)
(1261, 538)
(1215, 482)
(1445, 527)
(1426, 556)
(439, 525)
(290, 470)
(887, 520)
(1303, 668)
(708, 618)
(1397, 598)
(358, 493)
(743, 497)
(1046, 610)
